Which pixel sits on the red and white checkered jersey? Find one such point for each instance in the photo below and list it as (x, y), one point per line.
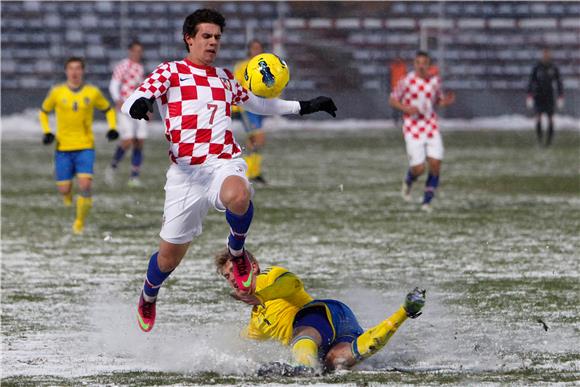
(129, 75)
(195, 104)
(423, 94)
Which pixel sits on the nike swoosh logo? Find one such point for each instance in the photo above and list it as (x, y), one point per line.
(144, 326)
(248, 282)
(183, 79)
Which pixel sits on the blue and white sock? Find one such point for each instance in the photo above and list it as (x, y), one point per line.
(136, 160)
(430, 188)
(154, 279)
(117, 156)
(239, 226)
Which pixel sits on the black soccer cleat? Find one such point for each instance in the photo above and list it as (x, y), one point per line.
(414, 302)
(259, 179)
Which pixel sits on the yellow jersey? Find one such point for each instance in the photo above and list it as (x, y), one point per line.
(239, 70)
(74, 115)
(282, 295)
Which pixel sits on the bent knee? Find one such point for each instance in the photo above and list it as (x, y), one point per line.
(418, 170)
(236, 195)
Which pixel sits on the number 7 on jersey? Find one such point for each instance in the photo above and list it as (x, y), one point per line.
(212, 106)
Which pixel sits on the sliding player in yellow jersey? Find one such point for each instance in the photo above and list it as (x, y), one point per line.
(252, 122)
(323, 334)
(73, 103)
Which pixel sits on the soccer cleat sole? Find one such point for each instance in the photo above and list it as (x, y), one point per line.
(414, 302)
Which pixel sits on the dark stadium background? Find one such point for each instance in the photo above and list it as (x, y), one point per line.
(485, 50)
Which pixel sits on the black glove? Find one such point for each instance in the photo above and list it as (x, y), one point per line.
(48, 138)
(140, 108)
(112, 134)
(318, 104)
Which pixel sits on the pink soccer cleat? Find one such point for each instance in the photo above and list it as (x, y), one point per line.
(146, 314)
(243, 273)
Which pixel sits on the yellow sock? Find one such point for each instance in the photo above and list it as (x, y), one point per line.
(305, 351)
(371, 341)
(252, 166)
(257, 164)
(250, 161)
(83, 207)
(67, 199)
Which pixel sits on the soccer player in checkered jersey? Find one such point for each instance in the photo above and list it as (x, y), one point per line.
(416, 96)
(127, 76)
(194, 100)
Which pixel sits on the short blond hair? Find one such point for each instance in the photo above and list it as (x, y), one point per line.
(224, 255)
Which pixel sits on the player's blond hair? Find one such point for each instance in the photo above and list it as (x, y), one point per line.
(224, 255)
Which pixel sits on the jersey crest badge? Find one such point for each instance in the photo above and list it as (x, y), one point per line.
(226, 83)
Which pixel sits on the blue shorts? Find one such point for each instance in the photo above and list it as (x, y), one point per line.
(334, 320)
(71, 163)
(250, 121)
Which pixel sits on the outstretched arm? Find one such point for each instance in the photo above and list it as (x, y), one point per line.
(273, 106)
(47, 106)
(102, 104)
(447, 99)
(408, 109)
(284, 286)
(140, 103)
(277, 106)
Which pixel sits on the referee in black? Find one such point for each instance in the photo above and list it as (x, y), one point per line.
(541, 94)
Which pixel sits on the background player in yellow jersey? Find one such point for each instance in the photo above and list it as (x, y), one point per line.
(252, 122)
(73, 103)
(322, 333)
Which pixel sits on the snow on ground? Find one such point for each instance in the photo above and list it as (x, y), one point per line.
(26, 124)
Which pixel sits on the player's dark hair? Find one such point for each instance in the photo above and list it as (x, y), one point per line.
(134, 43)
(423, 53)
(204, 15)
(75, 59)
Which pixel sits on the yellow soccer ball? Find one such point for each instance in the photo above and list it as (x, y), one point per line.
(266, 75)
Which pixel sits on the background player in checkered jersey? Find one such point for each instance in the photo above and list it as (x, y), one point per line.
(416, 96)
(195, 99)
(252, 122)
(127, 76)
(541, 94)
(74, 103)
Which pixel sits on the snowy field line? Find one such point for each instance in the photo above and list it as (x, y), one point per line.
(26, 124)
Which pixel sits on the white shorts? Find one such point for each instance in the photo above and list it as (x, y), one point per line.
(130, 128)
(419, 149)
(189, 193)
